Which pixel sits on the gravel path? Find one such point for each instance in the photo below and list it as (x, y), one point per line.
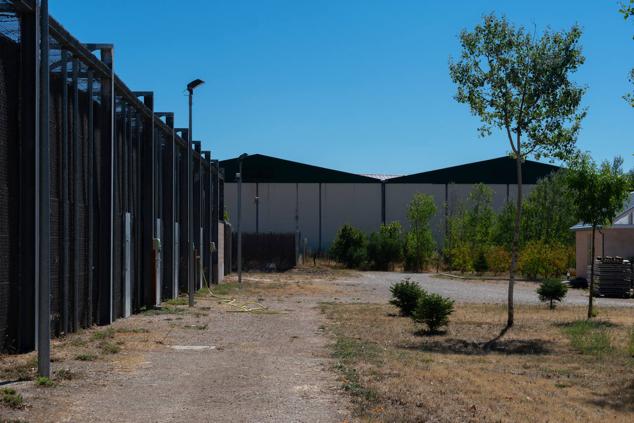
(374, 287)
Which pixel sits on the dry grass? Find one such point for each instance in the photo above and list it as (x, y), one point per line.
(547, 368)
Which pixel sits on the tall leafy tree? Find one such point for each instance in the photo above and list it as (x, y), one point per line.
(599, 193)
(519, 83)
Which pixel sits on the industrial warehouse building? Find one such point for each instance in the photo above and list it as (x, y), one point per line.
(281, 196)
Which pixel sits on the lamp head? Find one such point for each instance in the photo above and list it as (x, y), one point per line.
(194, 84)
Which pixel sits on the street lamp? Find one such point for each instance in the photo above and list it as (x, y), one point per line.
(190, 216)
(239, 177)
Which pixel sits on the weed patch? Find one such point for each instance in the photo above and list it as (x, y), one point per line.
(64, 374)
(178, 301)
(11, 398)
(103, 334)
(589, 337)
(86, 357)
(157, 311)
(44, 381)
(108, 347)
(133, 330)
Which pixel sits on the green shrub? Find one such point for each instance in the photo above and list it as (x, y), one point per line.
(498, 260)
(539, 260)
(433, 310)
(460, 258)
(349, 247)
(552, 290)
(386, 247)
(480, 264)
(405, 295)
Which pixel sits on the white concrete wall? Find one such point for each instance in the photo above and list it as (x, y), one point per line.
(356, 204)
(248, 205)
(277, 207)
(309, 214)
(399, 196)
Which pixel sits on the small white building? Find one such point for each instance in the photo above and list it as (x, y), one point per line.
(615, 240)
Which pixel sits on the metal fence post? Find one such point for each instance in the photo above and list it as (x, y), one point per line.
(44, 285)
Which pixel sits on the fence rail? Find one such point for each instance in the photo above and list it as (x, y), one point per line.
(118, 183)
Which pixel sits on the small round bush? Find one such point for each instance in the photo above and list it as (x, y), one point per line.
(433, 310)
(349, 247)
(552, 290)
(405, 295)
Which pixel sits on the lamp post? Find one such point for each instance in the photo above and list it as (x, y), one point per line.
(190, 236)
(239, 177)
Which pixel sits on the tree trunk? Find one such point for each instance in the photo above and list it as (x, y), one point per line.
(590, 297)
(516, 241)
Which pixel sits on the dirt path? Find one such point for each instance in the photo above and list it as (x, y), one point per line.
(251, 367)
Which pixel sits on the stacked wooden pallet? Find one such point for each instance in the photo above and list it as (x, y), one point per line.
(612, 277)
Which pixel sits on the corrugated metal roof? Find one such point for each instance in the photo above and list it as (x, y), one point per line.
(261, 168)
(501, 170)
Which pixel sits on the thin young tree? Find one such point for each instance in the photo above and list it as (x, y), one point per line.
(519, 82)
(599, 193)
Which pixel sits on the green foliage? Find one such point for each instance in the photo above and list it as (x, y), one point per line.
(460, 257)
(11, 398)
(349, 246)
(470, 230)
(520, 83)
(503, 228)
(480, 264)
(405, 295)
(419, 244)
(598, 192)
(386, 247)
(498, 259)
(44, 381)
(552, 290)
(540, 260)
(433, 310)
(589, 337)
(548, 212)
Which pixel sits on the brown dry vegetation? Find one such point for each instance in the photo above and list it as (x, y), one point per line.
(535, 372)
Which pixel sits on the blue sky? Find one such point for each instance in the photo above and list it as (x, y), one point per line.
(361, 86)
